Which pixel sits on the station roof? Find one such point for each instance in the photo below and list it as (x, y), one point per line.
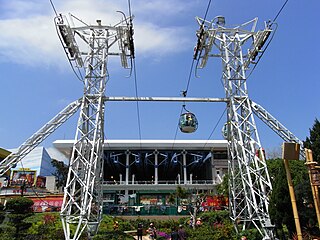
(4, 153)
(65, 146)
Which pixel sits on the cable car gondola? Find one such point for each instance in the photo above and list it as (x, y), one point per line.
(188, 122)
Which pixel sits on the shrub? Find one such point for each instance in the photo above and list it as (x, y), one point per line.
(20, 205)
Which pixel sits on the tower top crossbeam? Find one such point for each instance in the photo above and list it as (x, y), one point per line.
(211, 33)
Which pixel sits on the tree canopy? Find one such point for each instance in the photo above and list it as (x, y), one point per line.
(313, 141)
(61, 172)
(280, 202)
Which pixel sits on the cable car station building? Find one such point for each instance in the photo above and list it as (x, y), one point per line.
(150, 170)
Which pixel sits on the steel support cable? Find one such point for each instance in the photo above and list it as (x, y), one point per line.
(215, 127)
(284, 4)
(53, 7)
(80, 78)
(262, 53)
(57, 16)
(135, 76)
(273, 22)
(137, 102)
(185, 92)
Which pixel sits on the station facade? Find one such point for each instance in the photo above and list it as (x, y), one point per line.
(145, 172)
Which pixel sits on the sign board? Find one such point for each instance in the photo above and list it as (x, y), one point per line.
(21, 176)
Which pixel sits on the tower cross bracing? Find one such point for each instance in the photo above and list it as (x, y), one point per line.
(249, 181)
(82, 203)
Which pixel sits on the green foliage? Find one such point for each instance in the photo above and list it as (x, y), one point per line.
(280, 207)
(171, 198)
(106, 229)
(215, 225)
(181, 192)
(19, 205)
(20, 209)
(7, 232)
(61, 172)
(280, 204)
(46, 225)
(2, 213)
(113, 235)
(313, 142)
(223, 187)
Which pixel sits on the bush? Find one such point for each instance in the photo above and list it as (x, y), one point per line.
(20, 205)
(113, 235)
(47, 226)
(7, 232)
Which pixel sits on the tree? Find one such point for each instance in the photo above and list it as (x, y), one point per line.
(280, 203)
(19, 208)
(313, 142)
(181, 192)
(20, 205)
(223, 187)
(61, 172)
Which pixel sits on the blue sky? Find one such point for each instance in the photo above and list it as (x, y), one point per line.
(37, 81)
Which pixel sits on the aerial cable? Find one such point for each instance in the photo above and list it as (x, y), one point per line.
(272, 36)
(54, 9)
(137, 102)
(273, 22)
(195, 55)
(80, 78)
(131, 32)
(134, 70)
(130, 38)
(79, 20)
(207, 10)
(59, 18)
(197, 52)
(185, 92)
(215, 127)
(262, 53)
(177, 128)
(285, 3)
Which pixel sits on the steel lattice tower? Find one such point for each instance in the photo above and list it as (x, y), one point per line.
(248, 175)
(249, 182)
(82, 194)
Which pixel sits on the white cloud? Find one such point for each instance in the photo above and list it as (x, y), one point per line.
(150, 40)
(32, 39)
